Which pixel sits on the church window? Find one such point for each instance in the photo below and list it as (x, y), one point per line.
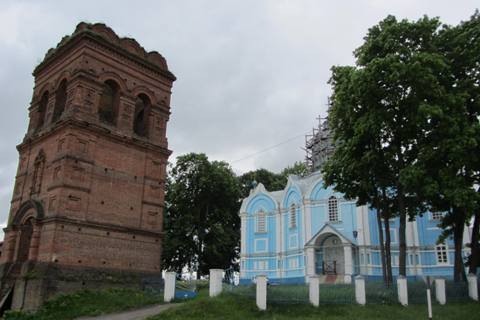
(261, 225)
(142, 110)
(108, 108)
(42, 108)
(437, 216)
(333, 209)
(293, 216)
(442, 254)
(60, 100)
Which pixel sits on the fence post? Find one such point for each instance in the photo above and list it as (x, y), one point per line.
(360, 296)
(472, 286)
(261, 294)
(440, 291)
(402, 290)
(169, 292)
(215, 280)
(314, 290)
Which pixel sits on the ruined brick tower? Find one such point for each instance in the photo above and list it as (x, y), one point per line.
(87, 208)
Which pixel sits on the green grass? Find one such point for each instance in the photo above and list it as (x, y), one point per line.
(230, 306)
(88, 303)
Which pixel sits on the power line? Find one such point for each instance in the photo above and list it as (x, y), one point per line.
(271, 147)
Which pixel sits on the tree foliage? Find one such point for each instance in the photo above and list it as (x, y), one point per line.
(405, 121)
(201, 219)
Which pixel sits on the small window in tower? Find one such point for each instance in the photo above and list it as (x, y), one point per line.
(437, 216)
(293, 216)
(333, 209)
(108, 108)
(42, 108)
(261, 222)
(442, 254)
(142, 110)
(60, 100)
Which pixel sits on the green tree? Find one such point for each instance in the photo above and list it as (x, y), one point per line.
(448, 165)
(271, 181)
(201, 221)
(379, 115)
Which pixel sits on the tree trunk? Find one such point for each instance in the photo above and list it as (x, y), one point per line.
(388, 250)
(402, 270)
(458, 228)
(475, 255)
(382, 246)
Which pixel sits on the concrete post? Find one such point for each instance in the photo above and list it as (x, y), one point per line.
(261, 292)
(360, 295)
(169, 292)
(216, 276)
(402, 290)
(310, 252)
(472, 286)
(440, 294)
(347, 252)
(314, 290)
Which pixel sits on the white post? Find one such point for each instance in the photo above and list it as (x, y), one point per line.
(402, 290)
(472, 286)
(169, 292)
(310, 261)
(360, 295)
(347, 252)
(261, 292)
(440, 291)
(314, 290)
(215, 280)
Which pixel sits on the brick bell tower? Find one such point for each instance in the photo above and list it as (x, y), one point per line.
(87, 208)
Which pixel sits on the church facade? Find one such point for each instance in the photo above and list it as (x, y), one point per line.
(307, 229)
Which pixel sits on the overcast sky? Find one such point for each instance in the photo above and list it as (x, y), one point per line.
(251, 74)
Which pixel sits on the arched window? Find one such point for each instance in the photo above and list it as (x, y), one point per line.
(293, 216)
(108, 108)
(261, 225)
(142, 110)
(42, 108)
(60, 100)
(333, 209)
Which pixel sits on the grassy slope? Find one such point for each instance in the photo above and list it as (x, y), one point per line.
(88, 303)
(228, 306)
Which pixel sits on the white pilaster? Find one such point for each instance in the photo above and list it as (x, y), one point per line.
(440, 291)
(169, 292)
(215, 280)
(314, 290)
(308, 221)
(360, 295)
(243, 234)
(261, 294)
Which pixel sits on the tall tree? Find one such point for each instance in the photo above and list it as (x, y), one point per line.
(201, 221)
(448, 165)
(379, 115)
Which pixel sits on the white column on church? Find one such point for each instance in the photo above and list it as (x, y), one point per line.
(347, 252)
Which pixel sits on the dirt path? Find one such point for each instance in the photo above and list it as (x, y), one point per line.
(138, 314)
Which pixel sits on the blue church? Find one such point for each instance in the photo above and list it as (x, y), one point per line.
(307, 229)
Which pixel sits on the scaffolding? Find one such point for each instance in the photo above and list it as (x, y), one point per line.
(318, 145)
